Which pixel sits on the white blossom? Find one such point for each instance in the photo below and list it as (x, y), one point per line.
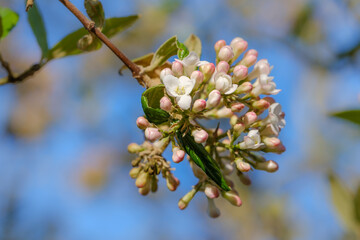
(252, 140)
(191, 62)
(261, 67)
(180, 88)
(224, 84)
(264, 85)
(275, 117)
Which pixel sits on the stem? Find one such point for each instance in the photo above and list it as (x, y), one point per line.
(90, 26)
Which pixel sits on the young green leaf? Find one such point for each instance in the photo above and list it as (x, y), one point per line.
(8, 20)
(38, 27)
(349, 115)
(95, 11)
(183, 51)
(203, 159)
(150, 101)
(193, 43)
(163, 53)
(342, 199)
(69, 45)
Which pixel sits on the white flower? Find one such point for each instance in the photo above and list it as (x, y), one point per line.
(224, 84)
(180, 88)
(264, 85)
(275, 117)
(261, 67)
(252, 140)
(191, 62)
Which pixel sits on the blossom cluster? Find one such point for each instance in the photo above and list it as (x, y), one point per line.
(234, 88)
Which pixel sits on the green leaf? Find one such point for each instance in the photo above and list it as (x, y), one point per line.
(357, 205)
(69, 45)
(8, 20)
(163, 53)
(95, 11)
(183, 51)
(150, 101)
(343, 201)
(203, 159)
(193, 43)
(38, 27)
(89, 43)
(349, 115)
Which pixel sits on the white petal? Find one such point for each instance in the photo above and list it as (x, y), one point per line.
(232, 89)
(191, 59)
(171, 83)
(187, 83)
(274, 92)
(198, 64)
(184, 102)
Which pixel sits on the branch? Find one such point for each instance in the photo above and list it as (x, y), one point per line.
(90, 26)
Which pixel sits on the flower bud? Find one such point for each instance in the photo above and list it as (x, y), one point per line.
(228, 168)
(250, 118)
(199, 105)
(134, 172)
(145, 190)
(232, 198)
(226, 53)
(240, 73)
(233, 120)
(245, 87)
(250, 58)
(269, 100)
(152, 134)
(164, 72)
(214, 99)
(200, 136)
(273, 144)
(142, 122)
(212, 210)
(229, 182)
(211, 191)
(242, 166)
(177, 68)
(251, 52)
(198, 77)
(237, 107)
(142, 179)
(238, 129)
(178, 155)
(244, 179)
(184, 201)
(198, 172)
(239, 45)
(154, 184)
(261, 104)
(269, 166)
(224, 112)
(208, 70)
(218, 45)
(165, 104)
(172, 182)
(134, 148)
(222, 66)
(269, 130)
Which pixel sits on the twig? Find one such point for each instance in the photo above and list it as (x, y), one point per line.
(90, 26)
(6, 66)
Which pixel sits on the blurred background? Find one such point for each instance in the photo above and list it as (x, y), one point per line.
(64, 132)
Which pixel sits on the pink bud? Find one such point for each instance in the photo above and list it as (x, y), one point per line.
(226, 53)
(242, 166)
(222, 66)
(211, 191)
(239, 128)
(245, 87)
(152, 134)
(251, 52)
(178, 155)
(199, 105)
(228, 168)
(198, 77)
(232, 198)
(208, 70)
(172, 182)
(248, 61)
(250, 118)
(164, 72)
(165, 104)
(244, 179)
(213, 211)
(200, 136)
(269, 166)
(142, 179)
(273, 144)
(240, 73)
(177, 68)
(239, 45)
(142, 122)
(261, 104)
(224, 113)
(218, 45)
(214, 99)
(237, 107)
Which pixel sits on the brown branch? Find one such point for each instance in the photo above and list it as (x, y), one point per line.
(90, 26)
(6, 66)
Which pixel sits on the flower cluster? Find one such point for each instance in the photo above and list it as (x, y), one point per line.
(195, 91)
